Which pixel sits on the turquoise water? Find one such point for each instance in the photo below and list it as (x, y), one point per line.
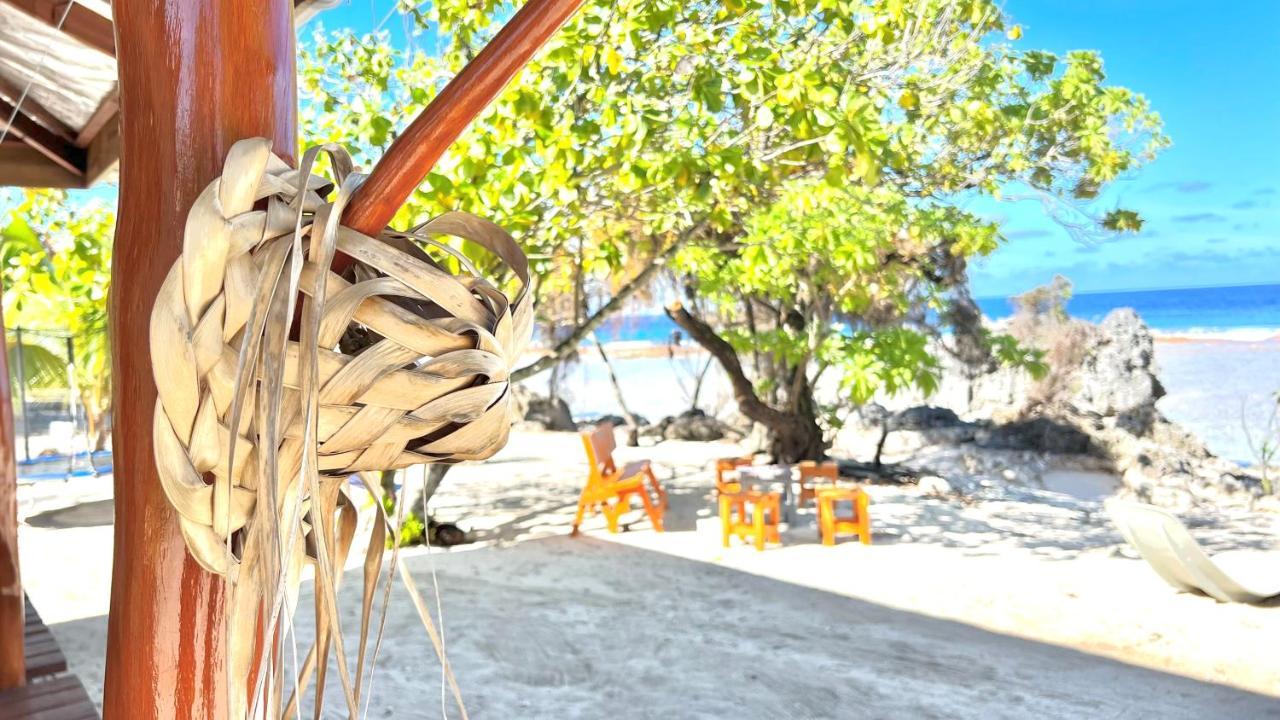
(1212, 309)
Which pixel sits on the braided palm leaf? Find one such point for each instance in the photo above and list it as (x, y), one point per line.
(398, 362)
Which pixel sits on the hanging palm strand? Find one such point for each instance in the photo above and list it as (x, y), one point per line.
(399, 362)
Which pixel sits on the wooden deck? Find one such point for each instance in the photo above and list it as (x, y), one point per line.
(44, 657)
(60, 698)
(48, 694)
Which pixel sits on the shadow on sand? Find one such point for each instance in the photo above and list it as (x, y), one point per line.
(87, 514)
(585, 628)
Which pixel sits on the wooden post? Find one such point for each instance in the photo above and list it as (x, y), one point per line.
(195, 76)
(13, 669)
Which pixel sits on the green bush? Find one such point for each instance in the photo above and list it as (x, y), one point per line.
(413, 531)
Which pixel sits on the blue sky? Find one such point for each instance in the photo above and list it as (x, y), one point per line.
(1211, 201)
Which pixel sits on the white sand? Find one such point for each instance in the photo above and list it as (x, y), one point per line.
(1019, 605)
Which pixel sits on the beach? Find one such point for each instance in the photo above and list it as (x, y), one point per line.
(1014, 603)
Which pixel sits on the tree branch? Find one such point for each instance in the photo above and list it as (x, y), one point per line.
(565, 347)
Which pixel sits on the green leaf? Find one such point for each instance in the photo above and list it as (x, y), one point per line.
(1122, 221)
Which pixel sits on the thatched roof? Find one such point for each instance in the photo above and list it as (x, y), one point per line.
(66, 132)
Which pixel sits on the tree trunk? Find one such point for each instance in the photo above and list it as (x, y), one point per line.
(195, 76)
(553, 382)
(633, 426)
(794, 434)
(700, 378)
(416, 493)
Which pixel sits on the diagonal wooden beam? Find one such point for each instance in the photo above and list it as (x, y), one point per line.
(23, 166)
(59, 150)
(82, 23)
(103, 151)
(107, 112)
(413, 154)
(304, 10)
(11, 92)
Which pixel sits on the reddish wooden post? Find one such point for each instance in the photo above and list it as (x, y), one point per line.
(13, 670)
(195, 76)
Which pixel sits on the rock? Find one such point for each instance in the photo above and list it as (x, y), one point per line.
(1268, 503)
(870, 415)
(1117, 378)
(901, 442)
(445, 534)
(619, 421)
(1118, 375)
(906, 431)
(693, 425)
(1040, 434)
(1098, 405)
(1176, 499)
(551, 414)
(924, 417)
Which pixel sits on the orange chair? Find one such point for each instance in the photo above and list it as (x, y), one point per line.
(760, 525)
(610, 489)
(809, 471)
(724, 466)
(830, 524)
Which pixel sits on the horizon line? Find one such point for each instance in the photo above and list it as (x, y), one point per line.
(1136, 290)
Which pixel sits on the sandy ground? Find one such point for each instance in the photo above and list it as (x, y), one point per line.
(1021, 604)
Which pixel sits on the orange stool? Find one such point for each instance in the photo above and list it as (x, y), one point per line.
(830, 524)
(751, 515)
(809, 471)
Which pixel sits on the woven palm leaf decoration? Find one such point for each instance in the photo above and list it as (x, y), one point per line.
(261, 419)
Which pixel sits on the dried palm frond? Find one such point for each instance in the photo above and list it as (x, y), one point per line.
(397, 362)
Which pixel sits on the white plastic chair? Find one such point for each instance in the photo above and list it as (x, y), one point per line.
(1163, 541)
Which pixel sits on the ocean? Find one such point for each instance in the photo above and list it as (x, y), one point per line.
(1244, 312)
(1206, 310)
(1221, 374)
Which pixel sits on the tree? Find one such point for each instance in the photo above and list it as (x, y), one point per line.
(56, 260)
(858, 268)
(647, 124)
